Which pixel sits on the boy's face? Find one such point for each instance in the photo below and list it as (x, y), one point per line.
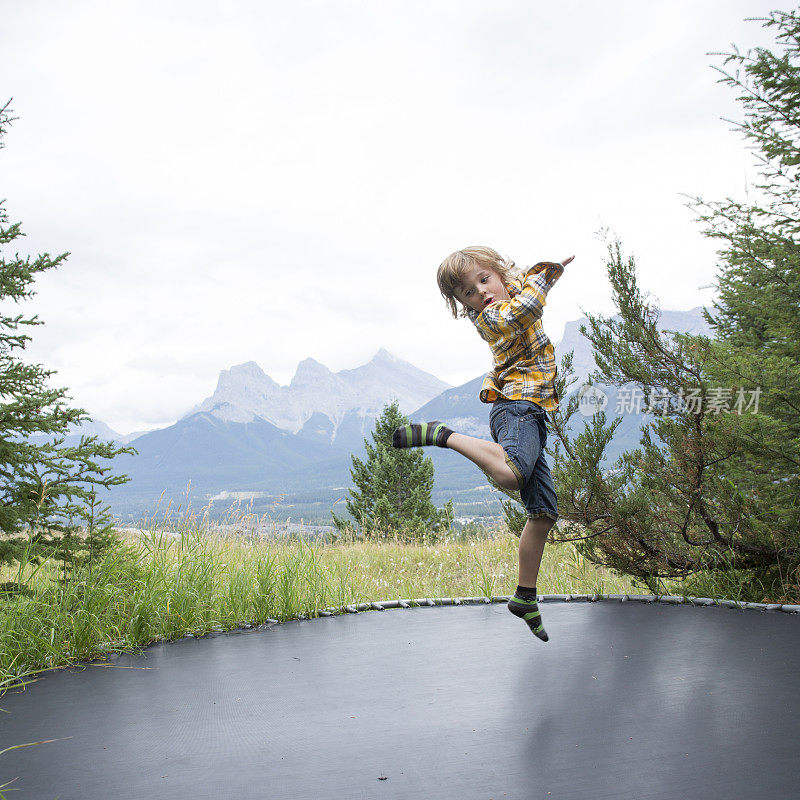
(479, 287)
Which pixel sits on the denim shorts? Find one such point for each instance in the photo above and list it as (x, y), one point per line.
(519, 427)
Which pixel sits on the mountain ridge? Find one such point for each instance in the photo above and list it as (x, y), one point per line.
(225, 448)
(245, 392)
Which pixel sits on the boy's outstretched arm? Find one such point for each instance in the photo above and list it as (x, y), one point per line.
(512, 317)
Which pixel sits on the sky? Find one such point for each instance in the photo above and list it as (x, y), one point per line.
(270, 181)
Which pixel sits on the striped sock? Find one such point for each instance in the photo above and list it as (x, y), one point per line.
(420, 435)
(523, 605)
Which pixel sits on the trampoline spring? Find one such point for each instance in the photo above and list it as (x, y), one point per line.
(351, 609)
(403, 604)
(325, 614)
(377, 606)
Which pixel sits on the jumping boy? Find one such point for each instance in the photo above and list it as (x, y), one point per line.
(479, 283)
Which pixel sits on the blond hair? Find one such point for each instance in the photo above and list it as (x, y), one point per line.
(452, 270)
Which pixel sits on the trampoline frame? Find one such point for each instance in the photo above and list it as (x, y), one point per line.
(382, 605)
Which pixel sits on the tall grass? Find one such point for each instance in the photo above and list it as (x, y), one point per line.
(164, 585)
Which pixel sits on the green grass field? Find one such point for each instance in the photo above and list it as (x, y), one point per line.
(164, 585)
(160, 585)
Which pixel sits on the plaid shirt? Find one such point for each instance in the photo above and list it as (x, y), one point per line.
(524, 358)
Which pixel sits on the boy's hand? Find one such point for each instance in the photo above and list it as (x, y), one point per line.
(567, 260)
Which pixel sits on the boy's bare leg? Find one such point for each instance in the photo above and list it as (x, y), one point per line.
(489, 456)
(531, 547)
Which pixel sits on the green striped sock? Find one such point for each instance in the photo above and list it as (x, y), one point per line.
(426, 433)
(526, 608)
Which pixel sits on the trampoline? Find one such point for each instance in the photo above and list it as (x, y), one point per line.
(444, 699)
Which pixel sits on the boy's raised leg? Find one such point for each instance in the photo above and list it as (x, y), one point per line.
(489, 456)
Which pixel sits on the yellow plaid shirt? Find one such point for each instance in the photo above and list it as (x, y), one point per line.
(524, 358)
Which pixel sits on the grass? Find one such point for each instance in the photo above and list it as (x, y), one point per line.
(163, 585)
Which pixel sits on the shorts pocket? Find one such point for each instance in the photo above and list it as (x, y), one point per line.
(498, 425)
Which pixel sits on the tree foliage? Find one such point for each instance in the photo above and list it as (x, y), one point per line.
(715, 483)
(393, 486)
(48, 486)
(757, 314)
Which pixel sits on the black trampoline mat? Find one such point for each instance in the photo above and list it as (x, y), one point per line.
(626, 700)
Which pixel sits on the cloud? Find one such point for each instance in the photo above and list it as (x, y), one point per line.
(273, 181)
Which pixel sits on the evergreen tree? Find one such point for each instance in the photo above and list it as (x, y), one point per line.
(81, 545)
(393, 486)
(757, 319)
(717, 490)
(46, 486)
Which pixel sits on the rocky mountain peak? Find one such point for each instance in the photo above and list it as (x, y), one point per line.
(383, 356)
(247, 374)
(245, 392)
(310, 369)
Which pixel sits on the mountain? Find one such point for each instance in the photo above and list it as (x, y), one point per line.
(255, 436)
(211, 453)
(90, 427)
(233, 443)
(93, 427)
(318, 400)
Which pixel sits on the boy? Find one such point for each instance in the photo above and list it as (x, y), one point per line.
(507, 313)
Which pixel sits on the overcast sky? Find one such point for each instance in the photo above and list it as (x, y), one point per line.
(272, 181)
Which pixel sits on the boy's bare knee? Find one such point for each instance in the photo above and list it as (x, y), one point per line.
(540, 523)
